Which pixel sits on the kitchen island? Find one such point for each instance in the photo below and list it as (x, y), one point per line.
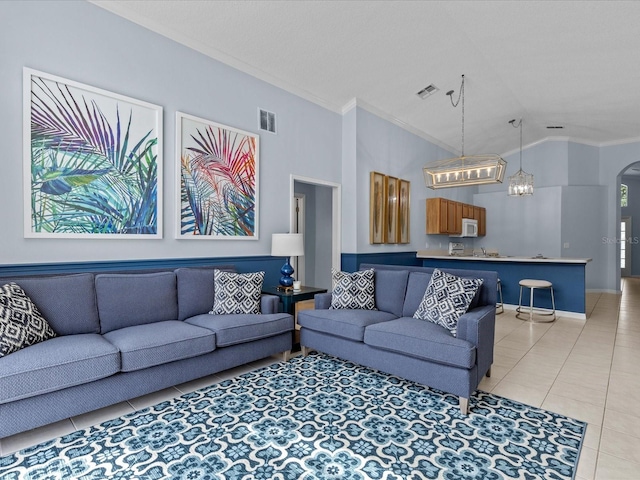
(566, 274)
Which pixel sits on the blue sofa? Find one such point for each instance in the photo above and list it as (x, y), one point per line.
(120, 336)
(390, 340)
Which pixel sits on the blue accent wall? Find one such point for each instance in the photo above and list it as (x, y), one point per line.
(351, 261)
(568, 281)
(270, 265)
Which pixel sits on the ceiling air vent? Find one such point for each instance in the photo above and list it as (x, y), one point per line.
(267, 120)
(555, 127)
(426, 91)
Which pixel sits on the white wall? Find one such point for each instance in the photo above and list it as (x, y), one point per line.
(384, 147)
(85, 43)
(583, 226)
(565, 217)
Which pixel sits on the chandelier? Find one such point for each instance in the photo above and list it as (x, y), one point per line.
(521, 183)
(465, 170)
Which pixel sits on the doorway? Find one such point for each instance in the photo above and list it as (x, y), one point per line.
(625, 241)
(299, 220)
(320, 220)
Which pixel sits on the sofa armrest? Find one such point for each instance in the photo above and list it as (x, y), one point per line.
(269, 304)
(322, 301)
(478, 326)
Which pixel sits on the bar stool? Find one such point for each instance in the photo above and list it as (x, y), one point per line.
(532, 285)
(500, 304)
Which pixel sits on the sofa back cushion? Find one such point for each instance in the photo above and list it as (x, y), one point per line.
(416, 286)
(195, 289)
(486, 294)
(125, 300)
(67, 302)
(390, 286)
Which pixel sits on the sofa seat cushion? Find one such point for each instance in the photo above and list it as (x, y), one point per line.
(420, 339)
(233, 329)
(349, 324)
(143, 346)
(56, 364)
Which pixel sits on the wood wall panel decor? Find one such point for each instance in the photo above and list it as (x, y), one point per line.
(389, 209)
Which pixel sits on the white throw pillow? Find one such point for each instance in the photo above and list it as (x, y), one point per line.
(355, 291)
(446, 298)
(236, 292)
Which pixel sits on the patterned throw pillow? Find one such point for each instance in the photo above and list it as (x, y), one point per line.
(236, 292)
(355, 291)
(447, 297)
(21, 324)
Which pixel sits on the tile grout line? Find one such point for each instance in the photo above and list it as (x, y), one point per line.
(608, 383)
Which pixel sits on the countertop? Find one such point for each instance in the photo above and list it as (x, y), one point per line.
(499, 258)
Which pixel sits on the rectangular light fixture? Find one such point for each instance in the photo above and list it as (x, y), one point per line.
(465, 171)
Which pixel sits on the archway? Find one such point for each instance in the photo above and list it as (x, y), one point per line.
(628, 209)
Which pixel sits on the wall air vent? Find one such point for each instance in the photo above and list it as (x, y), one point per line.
(267, 120)
(426, 91)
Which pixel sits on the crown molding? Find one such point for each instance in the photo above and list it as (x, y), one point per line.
(614, 143)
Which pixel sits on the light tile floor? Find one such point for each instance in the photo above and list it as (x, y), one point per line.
(585, 369)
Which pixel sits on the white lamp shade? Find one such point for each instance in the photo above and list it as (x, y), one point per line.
(287, 245)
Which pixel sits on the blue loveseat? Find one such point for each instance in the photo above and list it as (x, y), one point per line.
(390, 340)
(120, 336)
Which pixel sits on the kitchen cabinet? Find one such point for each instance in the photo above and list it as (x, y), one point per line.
(455, 228)
(445, 216)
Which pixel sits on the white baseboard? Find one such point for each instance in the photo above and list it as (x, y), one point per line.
(559, 313)
(604, 290)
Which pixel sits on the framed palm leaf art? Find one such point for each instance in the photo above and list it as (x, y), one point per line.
(92, 161)
(218, 172)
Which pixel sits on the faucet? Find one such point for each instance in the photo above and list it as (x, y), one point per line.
(484, 251)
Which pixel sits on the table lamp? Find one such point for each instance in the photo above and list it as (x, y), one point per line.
(287, 245)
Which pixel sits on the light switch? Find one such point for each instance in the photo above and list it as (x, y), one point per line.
(566, 245)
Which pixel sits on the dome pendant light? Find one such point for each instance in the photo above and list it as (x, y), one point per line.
(464, 170)
(521, 183)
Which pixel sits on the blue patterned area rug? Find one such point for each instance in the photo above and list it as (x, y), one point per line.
(314, 418)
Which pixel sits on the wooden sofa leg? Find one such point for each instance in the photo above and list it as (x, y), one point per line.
(305, 351)
(286, 355)
(464, 405)
(488, 374)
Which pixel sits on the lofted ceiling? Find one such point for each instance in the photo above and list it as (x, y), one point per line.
(570, 63)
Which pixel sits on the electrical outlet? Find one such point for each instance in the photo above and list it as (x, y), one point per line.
(566, 245)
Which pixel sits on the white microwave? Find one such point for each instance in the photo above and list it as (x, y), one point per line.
(469, 228)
